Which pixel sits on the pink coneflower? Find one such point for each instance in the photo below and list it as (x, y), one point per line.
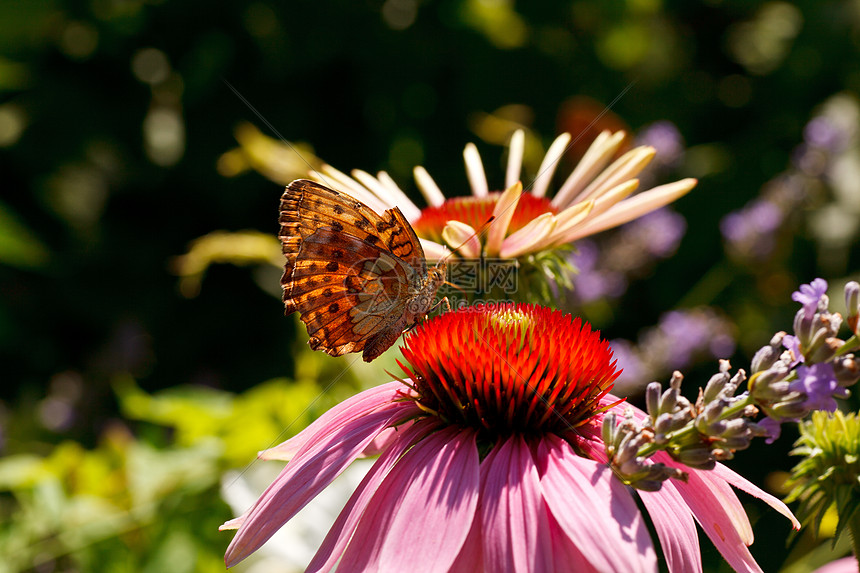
(491, 458)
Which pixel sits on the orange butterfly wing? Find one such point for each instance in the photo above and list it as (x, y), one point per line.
(349, 272)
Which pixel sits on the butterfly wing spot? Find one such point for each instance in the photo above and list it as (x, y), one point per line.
(331, 266)
(333, 308)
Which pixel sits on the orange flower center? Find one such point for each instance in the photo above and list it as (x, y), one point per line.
(509, 368)
(475, 211)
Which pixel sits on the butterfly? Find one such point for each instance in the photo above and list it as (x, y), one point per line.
(357, 279)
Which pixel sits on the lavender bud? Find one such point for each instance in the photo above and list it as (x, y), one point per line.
(847, 369)
(715, 386)
(823, 349)
(652, 399)
(699, 458)
(768, 355)
(852, 303)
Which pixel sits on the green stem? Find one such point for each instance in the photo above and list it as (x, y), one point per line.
(652, 448)
(850, 345)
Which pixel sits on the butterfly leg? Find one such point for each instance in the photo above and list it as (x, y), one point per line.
(444, 301)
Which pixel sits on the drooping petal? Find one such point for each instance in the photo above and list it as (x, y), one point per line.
(549, 164)
(503, 212)
(599, 153)
(529, 238)
(314, 466)
(462, 239)
(338, 537)
(742, 484)
(515, 158)
(475, 171)
(428, 187)
(350, 409)
(595, 510)
(675, 528)
(437, 479)
(634, 207)
(719, 513)
(514, 517)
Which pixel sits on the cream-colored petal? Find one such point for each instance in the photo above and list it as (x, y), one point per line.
(410, 209)
(623, 169)
(566, 220)
(340, 181)
(428, 187)
(462, 239)
(381, 192)
(475, 171)
(549, 164)
(606, 200)
(632, 208)
(503, 212)
(515, 157)
(526, 239)
(599, 154)
(433, 251)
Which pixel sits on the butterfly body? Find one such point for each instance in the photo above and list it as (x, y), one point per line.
(356, 278)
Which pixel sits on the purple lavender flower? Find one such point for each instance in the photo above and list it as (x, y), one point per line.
(773, 428)
(666, 139)
(792, 343)
(634, 372)
(810, 296)
(821, 132)
(687, 333)
(658, 232)
(758, 218)
(819, 384)
(593, 283)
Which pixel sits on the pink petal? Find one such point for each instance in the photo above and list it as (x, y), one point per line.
(385, 439)
(566, 555)
(844, 565)
(471, 557)
(514, 516)
(742, 484)
(234, 523)
(354, 407)
(422, 512)
(316, 464)
(594, 509)
(344, 526)
(718, 511)
(675, 528)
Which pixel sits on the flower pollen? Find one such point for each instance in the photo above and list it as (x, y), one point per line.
(508, 369)
(475, 211)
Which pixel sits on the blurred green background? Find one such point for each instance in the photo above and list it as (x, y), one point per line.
(126, 395)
